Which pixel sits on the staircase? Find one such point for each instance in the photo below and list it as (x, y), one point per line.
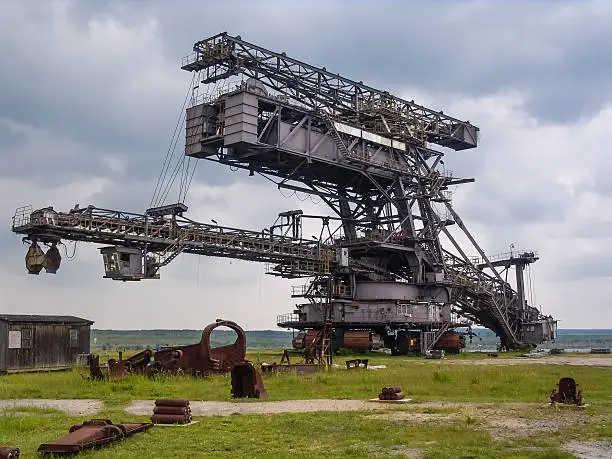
(329, 123)
(172, 251)
(437, 182)
(486, 298)
(429, 339)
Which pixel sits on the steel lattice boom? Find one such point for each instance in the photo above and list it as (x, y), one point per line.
(222, 56)
(370, 157)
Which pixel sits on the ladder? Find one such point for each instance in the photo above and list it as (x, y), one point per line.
(329, 123)
(429, 339)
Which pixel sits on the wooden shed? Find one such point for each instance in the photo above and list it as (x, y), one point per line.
(31, 343)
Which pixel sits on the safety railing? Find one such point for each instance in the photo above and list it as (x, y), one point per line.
(303, 256)
(287, 318)
(508, 256)
(22, 216)
(299, 290)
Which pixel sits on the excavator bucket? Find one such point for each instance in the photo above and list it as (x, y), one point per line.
(247, 382)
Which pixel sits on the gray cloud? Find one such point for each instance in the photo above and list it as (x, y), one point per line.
(94, 89)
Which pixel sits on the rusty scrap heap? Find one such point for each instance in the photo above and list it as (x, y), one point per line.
(195, 359)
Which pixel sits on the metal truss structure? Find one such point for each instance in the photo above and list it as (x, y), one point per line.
(372, 158)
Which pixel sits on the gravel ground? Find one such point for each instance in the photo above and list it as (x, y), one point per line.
(208, 408)
(546, 360)
(79, 407)
(589, 450)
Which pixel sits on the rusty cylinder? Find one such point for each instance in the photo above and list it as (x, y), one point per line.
(171, 402)
(450, 341)
(180, 410)
(358, 340)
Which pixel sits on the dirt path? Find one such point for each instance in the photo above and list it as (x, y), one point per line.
(208, 408)
(79, 407)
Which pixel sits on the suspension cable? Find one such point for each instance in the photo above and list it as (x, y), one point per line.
(171, 148)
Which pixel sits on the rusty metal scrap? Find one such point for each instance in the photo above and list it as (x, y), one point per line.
(89, 434)
(568, 392)
(138, 363)
(171, 411)
(94, 367)
(247, 382)
(118, 369)
(166, 361)
(201, 357)
(357, 339)
(171, 402)
(391, 393)
(6, 452)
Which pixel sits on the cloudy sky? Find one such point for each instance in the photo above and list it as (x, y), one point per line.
(90, 93)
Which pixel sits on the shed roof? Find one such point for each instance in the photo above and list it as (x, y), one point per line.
(44, 319)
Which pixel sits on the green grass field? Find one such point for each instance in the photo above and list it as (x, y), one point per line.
(515, 393)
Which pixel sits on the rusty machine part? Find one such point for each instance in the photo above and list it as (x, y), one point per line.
(247, 382)
(568, 393)
(201, 358)
(89, 434)
(298, 341)
(118, 369)
(93, 361)
(450, 341)
(391, 393)
(358, 340)
(138, 363)
(6, 452)
(181, 410)
(171, 411)
(168, 360)
(310, 338)
(172, 402)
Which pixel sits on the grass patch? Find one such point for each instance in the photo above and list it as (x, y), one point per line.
(441, 431)
(419, 379)
(302, 435)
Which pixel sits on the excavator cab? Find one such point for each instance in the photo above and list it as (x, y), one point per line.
(122, 263)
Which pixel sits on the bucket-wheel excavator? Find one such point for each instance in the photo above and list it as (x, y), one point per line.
(387, 268)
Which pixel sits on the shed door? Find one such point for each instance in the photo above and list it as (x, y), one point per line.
(20, 352)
